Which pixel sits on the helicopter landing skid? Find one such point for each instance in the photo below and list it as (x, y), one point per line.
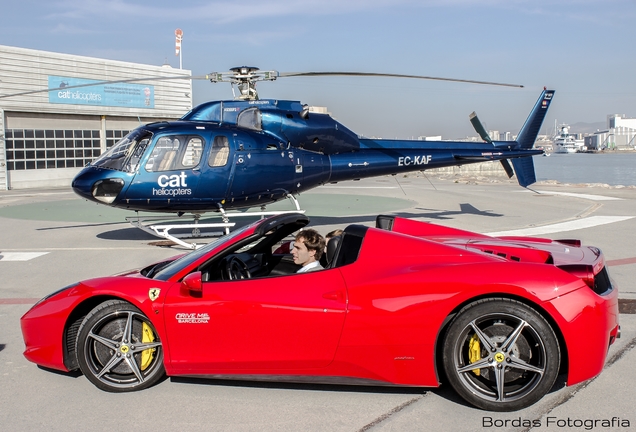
(157, 229)
(163, 231)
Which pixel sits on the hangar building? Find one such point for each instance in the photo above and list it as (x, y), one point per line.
(47, 136)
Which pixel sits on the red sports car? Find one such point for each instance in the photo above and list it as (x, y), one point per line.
(497, 318)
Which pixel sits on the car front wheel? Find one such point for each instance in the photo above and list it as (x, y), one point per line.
(118, 348)
(501, 355)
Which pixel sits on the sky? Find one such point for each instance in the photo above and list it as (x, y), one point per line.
(583, 49)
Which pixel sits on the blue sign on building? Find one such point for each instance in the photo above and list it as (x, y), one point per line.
(115, 95)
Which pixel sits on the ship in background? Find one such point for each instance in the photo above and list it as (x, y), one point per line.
(566, 142)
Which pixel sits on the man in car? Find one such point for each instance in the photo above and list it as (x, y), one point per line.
(307, 250)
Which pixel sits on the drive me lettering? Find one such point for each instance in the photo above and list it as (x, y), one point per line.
(192, 318)
(415, 160)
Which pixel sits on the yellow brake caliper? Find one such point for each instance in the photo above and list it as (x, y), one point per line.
(474, 351)
(147, 355)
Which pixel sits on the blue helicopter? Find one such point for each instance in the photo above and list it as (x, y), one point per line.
(250, 152)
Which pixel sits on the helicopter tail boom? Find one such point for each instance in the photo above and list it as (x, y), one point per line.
(524, 167)
(528, 133)
(382, 157)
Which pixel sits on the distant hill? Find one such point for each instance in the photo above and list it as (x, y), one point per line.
(588, 128)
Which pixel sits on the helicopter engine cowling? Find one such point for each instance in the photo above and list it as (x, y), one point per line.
(286, 121)
(317, 132)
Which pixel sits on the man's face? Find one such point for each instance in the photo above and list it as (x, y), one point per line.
(301, 254)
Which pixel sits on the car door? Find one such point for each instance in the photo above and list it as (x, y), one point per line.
(267, 324)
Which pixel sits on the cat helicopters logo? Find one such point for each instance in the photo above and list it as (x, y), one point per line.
(177, 181)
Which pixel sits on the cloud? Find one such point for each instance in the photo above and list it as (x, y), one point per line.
(225, 11)
(63, 29)
(231, 11)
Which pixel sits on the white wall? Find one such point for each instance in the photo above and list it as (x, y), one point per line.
(43, 178)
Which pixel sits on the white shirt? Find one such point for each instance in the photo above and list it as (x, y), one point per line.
(309, 267)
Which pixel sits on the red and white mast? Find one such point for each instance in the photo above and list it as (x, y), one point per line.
(177, 46)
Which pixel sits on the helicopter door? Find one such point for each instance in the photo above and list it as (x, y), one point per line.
(169, 175)
(262, 173)
(311, 170)
(216, 171)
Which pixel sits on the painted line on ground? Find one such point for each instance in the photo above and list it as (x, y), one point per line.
(577, 195)
(358, 187)
(36, 194)
(20, 256)
(573, 225)
(18, 301)
(623, 261)
(75, 249)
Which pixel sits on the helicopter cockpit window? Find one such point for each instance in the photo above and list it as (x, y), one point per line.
(219, 152)
(126, 153)
(173, 152)
(136, 152)
(250, 119)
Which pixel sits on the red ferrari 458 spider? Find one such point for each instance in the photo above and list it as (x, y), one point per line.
(404, 303)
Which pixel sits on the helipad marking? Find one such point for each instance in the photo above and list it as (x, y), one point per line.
(18, 301)
(583, 196)
(622, 261)
(20, 256)
(358, 187)
(563, 226)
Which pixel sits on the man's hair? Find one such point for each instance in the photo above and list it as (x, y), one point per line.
(334, 233)
(313, 241)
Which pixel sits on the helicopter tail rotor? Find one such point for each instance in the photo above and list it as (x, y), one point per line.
(474, 120)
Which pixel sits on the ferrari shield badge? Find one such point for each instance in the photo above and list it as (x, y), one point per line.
(153, 294)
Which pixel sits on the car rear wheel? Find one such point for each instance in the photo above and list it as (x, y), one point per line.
(501, 355)
(118, 348)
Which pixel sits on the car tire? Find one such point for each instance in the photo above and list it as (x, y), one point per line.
(118, 348)
(500, 355)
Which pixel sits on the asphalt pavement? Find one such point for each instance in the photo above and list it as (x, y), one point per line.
(51, 238)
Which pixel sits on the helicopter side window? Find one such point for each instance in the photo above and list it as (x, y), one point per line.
(219, 152)
(250, 119)
(175, 152)
(192, 153)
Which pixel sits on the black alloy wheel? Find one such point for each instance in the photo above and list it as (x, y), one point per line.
(118, 348)
(501, 355)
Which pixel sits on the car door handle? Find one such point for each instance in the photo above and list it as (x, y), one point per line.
(338, 296)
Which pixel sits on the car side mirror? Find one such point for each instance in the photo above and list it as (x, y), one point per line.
(192, 285)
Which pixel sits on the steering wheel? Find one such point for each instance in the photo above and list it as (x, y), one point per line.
(237, 269)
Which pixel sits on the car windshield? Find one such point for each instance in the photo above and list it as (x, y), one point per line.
(176, 266)
(125, 155)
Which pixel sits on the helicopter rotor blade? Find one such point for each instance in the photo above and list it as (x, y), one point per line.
(479, 128)
(98, 83)
(474, 120)
(506, 166)
(372, 74)
(251, 74)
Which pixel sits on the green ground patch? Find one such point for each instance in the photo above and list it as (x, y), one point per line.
(315, 204)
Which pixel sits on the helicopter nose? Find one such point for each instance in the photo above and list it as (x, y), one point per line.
(104, 190)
